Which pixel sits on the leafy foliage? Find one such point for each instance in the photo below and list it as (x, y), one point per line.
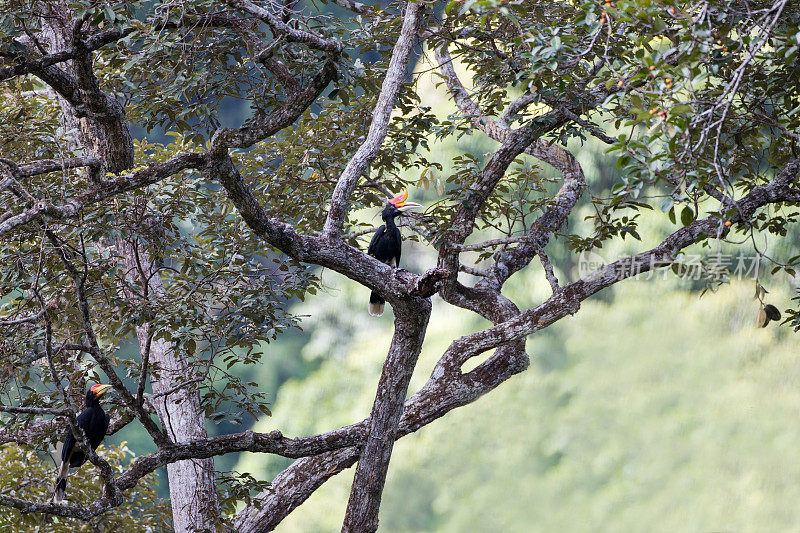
(696, 105)
(142, 511)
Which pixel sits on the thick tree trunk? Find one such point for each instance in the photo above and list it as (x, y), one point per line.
(192, 483)
(411, 321)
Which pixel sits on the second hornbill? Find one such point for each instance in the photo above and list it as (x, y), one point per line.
(94, 423)
(387, 242)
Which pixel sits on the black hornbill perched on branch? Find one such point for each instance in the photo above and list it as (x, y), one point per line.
(387, 242)
(94, 423)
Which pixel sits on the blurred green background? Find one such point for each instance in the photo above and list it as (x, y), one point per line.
(652, 408)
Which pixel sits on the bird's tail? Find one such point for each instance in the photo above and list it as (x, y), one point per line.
(376, 304)
(61, 482)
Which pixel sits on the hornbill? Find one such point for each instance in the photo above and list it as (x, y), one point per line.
(386, 243)
(94, 423)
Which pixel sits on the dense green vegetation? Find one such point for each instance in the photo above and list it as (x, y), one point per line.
(608, 429)
(144, 511)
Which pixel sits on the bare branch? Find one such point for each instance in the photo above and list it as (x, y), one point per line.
(33, 65)
(291, 488)
(55, 509)
(22, 320)
(291, 34)
(50, 165)
(548, 271)
(350, 5)
(517, 105)
(491, 243)
(99, 192)
(34, 410)
(591, 128)
(143, 370)
(266, 125)
(472, 271)
(357, 165)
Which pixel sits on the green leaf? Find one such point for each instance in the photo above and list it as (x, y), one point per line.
(679, 109)
(687, 215)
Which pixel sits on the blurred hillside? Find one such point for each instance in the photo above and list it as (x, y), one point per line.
(663, 410)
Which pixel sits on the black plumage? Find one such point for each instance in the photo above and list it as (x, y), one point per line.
(386, 244)
(93, 420)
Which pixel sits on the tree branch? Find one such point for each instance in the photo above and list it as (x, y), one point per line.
(23, 320)
(108, 189)
(291, 34)
(357, 165)
(266, 125)
(33, 65)
(50, 165)
(411, 321)
(353, 6)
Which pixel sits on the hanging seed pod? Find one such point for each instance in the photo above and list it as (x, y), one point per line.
(762, 319)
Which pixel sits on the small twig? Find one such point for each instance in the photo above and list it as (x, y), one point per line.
(34, 410)
(472, 271)
(177, 388)
(548, 271)
(358, 233)
(591, 128)
(144, 368)
(23, 320)
(491, 242)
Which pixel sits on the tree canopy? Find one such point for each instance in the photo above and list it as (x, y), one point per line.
(134, 209)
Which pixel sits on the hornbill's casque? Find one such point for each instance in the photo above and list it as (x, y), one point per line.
(94, 423)
(386, 243)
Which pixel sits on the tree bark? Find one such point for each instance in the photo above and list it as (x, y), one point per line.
(192, 482)
(411, 321)
(97, 115)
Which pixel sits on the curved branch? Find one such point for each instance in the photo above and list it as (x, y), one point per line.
(32, 65)
(562, 203)
(266, 125)
(107, 189)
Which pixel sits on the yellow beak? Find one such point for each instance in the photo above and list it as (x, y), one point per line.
(400, 203)
(100, 390)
